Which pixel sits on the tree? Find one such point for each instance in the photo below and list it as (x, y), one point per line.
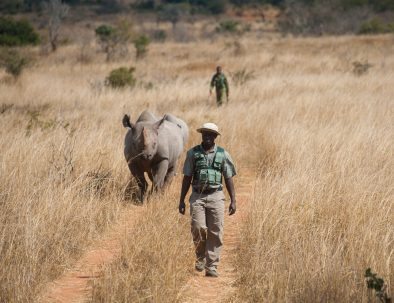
(141, 46)
(13, 61)
(170, 13)
(114, 40)
(57, 11)
(17, 33)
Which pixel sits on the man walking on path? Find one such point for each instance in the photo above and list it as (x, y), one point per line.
(204, 167)
(219, 81)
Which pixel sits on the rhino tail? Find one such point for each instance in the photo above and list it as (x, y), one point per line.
(126, 121)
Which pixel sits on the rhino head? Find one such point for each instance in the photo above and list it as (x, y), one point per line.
(145, 138)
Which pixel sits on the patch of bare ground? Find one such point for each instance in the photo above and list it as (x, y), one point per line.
(75, 284)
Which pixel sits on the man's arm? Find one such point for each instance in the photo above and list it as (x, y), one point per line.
(212, 85)
(227, 87)
(230, 188)
(187, 180)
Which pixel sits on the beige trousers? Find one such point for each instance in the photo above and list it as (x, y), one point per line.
(207, 214)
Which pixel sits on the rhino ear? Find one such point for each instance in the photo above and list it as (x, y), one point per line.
(159, 123)
(126, 122)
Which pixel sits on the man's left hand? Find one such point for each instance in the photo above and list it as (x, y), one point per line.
(232, 208)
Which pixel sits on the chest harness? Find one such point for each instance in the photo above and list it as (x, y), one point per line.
(206, 175)
(220, 81)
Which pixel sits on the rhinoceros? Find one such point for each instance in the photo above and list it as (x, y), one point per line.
(154, 146)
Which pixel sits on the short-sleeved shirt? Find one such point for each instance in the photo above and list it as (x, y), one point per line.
(228, 167)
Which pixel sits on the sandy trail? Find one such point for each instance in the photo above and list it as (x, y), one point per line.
(203, 289)
(75, 284)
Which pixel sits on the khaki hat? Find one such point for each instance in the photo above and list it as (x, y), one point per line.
(209, 127)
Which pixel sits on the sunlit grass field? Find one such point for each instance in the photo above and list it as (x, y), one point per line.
(320, 136)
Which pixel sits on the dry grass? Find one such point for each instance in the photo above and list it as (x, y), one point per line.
(322, 137)
(155, 258)
(323, 211)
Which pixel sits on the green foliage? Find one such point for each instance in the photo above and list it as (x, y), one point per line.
(17, 33)
(11, 6)
(377, 284)
(114, 40)
(382, 5)
(104, 32)
(376, 26)
(13, 62)
(121, 77)
(141, 46)
(217, 6)
(228, 26)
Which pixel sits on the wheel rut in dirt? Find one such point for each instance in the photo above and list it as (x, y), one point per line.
(206, 289)
(74, 285)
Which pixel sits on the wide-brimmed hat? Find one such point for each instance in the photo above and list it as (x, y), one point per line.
(209, 127)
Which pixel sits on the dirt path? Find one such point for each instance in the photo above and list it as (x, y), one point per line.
(202, 289)
(74, 285)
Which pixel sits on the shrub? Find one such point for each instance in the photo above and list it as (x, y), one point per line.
(170, 13)
(374, 282)
(141, 46)
(114, 40)
(104, 32)
(228, 26)
(11, 6)
(121, 77)
(217, 6)
(376, 26)
(17, 33)
(13, 62)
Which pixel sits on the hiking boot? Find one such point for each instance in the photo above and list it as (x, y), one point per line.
(211, 273)
(200, 265)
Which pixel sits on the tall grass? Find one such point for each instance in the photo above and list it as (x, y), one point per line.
(322, 137)
(155, 258)
(323, 210)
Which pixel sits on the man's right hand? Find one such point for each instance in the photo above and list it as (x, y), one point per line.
(182, 208)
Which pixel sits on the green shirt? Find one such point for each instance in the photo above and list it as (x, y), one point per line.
(228, 167)
(219, 81)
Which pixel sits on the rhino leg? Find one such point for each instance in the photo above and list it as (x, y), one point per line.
(170, 175)
(139, 176)
(159, 174)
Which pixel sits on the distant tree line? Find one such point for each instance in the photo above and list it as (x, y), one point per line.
(196, 6)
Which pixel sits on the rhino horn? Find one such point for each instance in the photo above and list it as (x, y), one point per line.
(126, 122)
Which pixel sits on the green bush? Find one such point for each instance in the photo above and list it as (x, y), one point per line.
(228, 26)
(376, 26)
(141, 46)
(104, 32)
(217, 6)
(121, 77)
(114, 40)
(17, 33)
(13, 62)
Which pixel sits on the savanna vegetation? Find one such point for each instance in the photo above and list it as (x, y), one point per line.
(312, 117)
